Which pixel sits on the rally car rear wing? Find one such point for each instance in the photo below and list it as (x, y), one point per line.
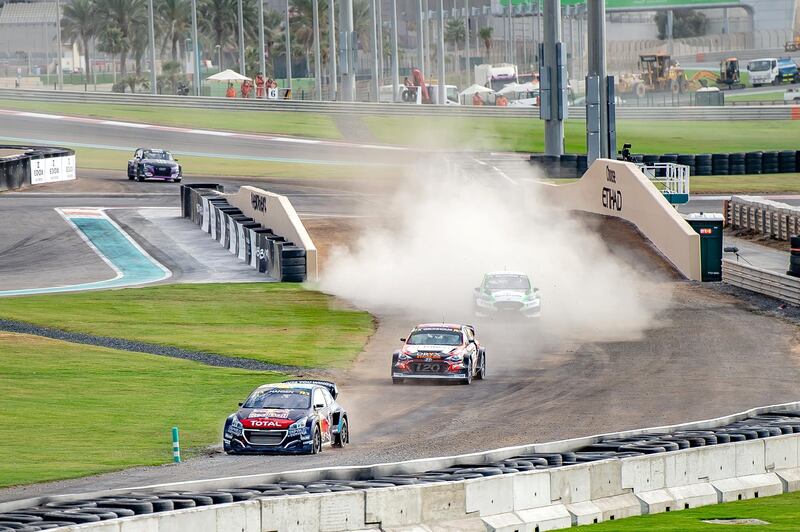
(327, 384)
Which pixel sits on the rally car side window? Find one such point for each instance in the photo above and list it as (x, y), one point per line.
(328, 399)
(318, 397)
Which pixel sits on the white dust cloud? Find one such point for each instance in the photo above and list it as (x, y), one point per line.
(444, 228)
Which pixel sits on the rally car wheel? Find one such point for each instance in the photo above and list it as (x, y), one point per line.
(316, 441)
(397, 380)
(343, 438)
(482, 368)
(468, 380)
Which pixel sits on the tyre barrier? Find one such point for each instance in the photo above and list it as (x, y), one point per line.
(241, 235)
(22, 166)
(760, 426)
(702, 164)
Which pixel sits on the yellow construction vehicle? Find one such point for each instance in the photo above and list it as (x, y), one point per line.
(793, 46)
(729, 74)
(657, 73)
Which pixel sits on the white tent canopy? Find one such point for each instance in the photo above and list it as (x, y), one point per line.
(227, 75)
(473, 89)
(515, 88)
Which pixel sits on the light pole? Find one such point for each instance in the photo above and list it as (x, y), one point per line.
(596, 18)
(262, 61)
(151, 28)
(242, 69)
(58, 39)
(196, 46)
(288, 50)
(442, 89)
(466, 41)
(420, 39)
(219, 57)
(553, 104)
(395, 59)
(379, 16)
(348, 66)
(376, 81)
(332, 48)
(317, 54)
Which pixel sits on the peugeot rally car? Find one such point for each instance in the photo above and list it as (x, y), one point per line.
(440, 351)
(151, 163)
(297, 416)
(507, 294)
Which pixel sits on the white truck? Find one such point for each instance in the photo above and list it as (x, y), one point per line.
(414, 95)
(496, 76)
(792, 96)
(764, 71)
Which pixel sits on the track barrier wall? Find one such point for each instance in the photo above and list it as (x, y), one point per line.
(257, 227)
(22, 166)
(620, 189)
(762, 216)
(545, 499)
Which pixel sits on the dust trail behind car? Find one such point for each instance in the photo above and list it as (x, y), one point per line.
(444, 228)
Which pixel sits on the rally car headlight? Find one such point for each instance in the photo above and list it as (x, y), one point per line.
(404, 356)
(298, 428)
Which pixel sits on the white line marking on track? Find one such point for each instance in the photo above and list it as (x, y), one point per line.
(207, 132)
(124, 124)
(40, 115)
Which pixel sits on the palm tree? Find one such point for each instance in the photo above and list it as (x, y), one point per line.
(174, 22)
(273, 36)
(218, 17)
(486, 36)
(111, 41)
(79, 24)
(128, 17)
(455, 33)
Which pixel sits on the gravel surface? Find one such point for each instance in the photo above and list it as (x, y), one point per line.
(121, 344)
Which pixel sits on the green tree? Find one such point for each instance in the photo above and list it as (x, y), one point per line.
(78, 24)
(486, 36)
(111, 41)
(126, 16)
(685, 23)
(174, 22)
(218, 18)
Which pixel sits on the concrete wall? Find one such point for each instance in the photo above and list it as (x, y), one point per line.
(277, 213)
(547, 499)
(619, 189)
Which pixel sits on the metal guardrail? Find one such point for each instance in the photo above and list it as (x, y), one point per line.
(777, 285)
(775, 112)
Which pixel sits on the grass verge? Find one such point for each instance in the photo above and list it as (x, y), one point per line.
(72, 410)
(279, 122)
(757, 97)
(782, 512)
(109, 159)
(273, 322)
(527, 135)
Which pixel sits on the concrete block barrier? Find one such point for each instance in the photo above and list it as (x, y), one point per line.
(607, 482)
(257, 227)
(551, 517)
(790, 479)
(584, 513)
(693, 495)
(748, 487)
(23, 166)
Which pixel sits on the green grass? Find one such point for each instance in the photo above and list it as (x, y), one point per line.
(110, 159)
(286, 123)
(527, 135)
(782, 512)
(272, 322)
(70, 410)
(757, 97)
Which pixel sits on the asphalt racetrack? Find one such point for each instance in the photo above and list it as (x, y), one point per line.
(707, 355)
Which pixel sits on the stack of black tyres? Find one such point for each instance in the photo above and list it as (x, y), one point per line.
(720, 164)
(569, 165)
(770, 162)
(787, 161)
(688, 159)
(650, 160)
(794, 257)
(583, 164)
(736, 164)
(703, 164)
(752, 162)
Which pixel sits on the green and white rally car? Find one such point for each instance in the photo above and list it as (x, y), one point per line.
(507, 294)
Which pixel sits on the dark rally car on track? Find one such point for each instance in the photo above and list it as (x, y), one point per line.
(292, 417)
(151, 163)
(445, 351)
